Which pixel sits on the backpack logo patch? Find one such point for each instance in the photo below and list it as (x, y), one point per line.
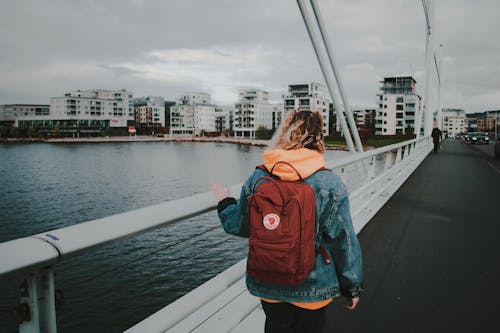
(271, 221)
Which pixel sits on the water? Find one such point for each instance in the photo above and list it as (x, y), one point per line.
(48, 186)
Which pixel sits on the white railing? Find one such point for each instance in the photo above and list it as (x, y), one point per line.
(371, 177)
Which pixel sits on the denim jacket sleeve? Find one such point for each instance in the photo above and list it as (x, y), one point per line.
(234, 215)
(343, 244)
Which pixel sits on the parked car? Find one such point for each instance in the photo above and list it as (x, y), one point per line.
(478, 137)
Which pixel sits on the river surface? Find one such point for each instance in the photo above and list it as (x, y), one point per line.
(47, 186)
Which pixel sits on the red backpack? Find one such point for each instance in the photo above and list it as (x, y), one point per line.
(282, 225)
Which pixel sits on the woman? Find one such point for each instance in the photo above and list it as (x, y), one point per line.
(303, 308)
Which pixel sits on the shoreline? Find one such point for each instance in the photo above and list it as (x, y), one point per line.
(149, 138)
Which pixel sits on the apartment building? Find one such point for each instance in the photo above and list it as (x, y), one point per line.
(149, 112)
(9, 113)
(486, 121)
(308, 96)
(86, 112)
(365, 117)
(167, 106)
(252, 110)
(398, 106)
(224, 118)
(454, 121)
(193, 115)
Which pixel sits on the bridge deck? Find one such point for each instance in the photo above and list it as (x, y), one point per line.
(431, 255)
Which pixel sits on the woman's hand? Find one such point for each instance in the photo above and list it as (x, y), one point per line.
(219, 191)
(354, 303)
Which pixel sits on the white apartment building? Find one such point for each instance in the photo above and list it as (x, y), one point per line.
(83, 111)
(193, 115)
(252, 111)
(454, 121)
(11, 112)
(398, 106)
(149, 111)
(278, 114)
(364, 116)
(224, 118)
(308, 96)
(115, 106)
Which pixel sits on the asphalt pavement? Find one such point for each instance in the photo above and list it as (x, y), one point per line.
(431, 255)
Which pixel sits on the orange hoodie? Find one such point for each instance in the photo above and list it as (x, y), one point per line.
(306, 162)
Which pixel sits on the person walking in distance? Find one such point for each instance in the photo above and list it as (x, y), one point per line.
(295, 299)
(437, 136)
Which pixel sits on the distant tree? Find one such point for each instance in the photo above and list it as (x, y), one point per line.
(263, 133)
(4, 131)
(32, 132)
(14, 132)
(55, 132)
(364, 133)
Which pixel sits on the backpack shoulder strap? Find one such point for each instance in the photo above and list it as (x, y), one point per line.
(261, 167)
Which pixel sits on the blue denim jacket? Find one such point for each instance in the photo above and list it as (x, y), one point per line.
(334, 232)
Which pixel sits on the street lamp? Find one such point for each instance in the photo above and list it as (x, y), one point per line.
(437, 63)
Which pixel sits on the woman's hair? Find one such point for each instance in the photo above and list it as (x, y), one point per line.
(301, 129)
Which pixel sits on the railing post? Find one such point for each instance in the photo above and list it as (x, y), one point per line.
(372, 167)
(388, 159)
(28, 308)
(37, 309)
(398, 156)
(47, 301)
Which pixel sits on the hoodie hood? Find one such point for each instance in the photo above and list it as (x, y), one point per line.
(305, 161)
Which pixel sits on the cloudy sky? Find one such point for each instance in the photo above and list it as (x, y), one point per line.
(167, 47)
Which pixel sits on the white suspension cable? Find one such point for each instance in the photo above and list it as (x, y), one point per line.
(326, 73)
(429, 16)
(329, 52)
